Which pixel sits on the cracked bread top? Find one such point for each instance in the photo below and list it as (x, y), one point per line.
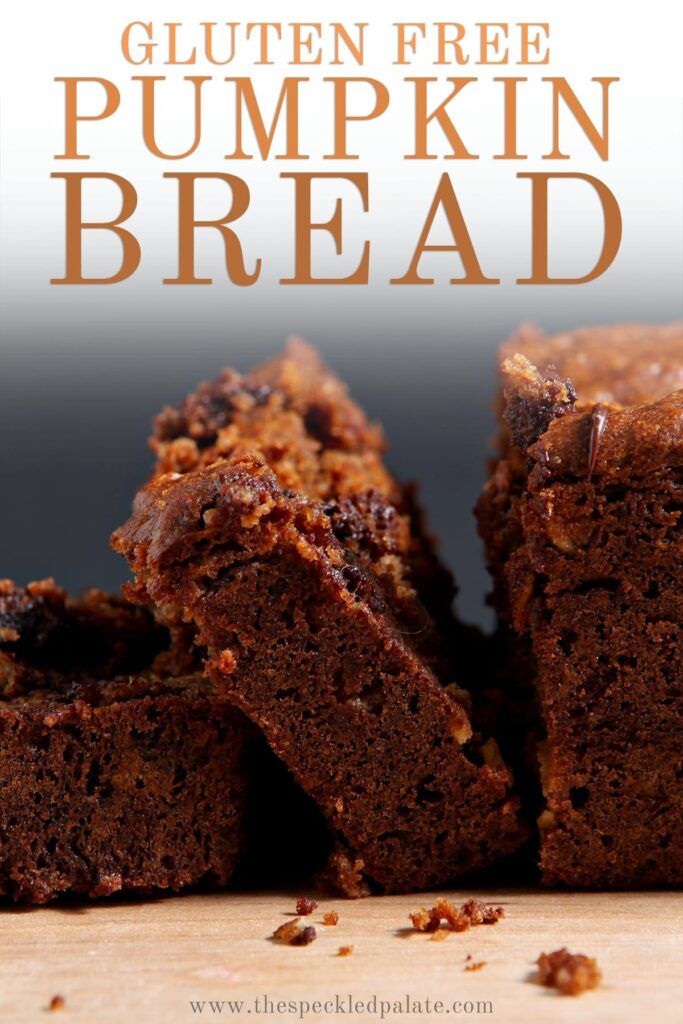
(617, 365)
(622, 415)
(293, 412)
(97, 648)
(293, 415)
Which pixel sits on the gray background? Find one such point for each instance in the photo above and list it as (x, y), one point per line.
(75, 415)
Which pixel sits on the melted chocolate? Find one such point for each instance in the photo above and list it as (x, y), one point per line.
(598, 422)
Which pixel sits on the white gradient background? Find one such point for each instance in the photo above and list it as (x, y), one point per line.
(83, 368)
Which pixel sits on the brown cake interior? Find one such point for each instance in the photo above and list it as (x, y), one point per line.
(113, 777)
(583, 532)
(273, 526)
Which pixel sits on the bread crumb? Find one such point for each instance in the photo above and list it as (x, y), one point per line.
(344, 876)
(569, 973)
(456, 919)
(293, 933)
(491, 754)
(476, 965)
(482, 913)
(331, 918)
(304, 937)
(306, 906)
(226, 662)
(57, 1003)
(345, 951)
(286, 932)
(460, 728)
(424, 921)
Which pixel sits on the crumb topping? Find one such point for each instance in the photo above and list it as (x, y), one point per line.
(533, 399)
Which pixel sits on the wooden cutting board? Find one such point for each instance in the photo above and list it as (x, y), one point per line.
(148, 961)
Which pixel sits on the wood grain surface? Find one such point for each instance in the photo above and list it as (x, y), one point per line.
(149, 961)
